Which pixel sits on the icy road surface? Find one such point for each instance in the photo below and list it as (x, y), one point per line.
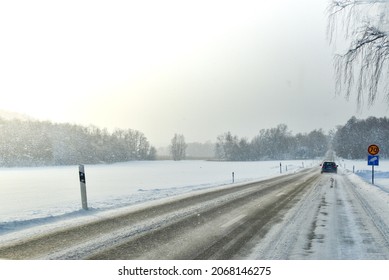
(306, 215)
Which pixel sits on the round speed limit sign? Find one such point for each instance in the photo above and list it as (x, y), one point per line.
(373, 150)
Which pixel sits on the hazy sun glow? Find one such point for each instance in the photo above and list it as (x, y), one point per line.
(195, 67)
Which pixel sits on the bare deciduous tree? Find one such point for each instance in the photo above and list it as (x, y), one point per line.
(363, 67)
(178, 147)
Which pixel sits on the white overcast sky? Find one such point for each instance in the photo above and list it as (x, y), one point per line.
(199, 68)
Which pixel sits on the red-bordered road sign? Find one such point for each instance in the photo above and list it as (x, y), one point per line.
(373, 150)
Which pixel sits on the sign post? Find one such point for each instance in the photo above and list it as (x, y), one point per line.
(373, 159)
(84, 200)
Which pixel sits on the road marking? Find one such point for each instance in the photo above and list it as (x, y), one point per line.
(233, 221)
(281, 193)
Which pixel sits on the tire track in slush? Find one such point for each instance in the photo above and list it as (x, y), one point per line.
(221, 245)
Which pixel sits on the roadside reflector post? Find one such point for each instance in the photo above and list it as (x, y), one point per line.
(81, 172)
(280, 168)
(233, 177)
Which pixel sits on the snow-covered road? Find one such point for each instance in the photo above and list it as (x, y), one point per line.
(345, 221)
(295, 216)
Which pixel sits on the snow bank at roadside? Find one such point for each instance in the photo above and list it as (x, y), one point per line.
(364, 171)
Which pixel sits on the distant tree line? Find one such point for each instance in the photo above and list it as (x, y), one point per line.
(36, 143)
(349, 141)
(352, 140)
(272, 144)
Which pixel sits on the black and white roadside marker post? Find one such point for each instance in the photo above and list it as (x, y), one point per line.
(84, 201)
(233, 177)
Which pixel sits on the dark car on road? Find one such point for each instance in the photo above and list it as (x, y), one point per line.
(329, 166)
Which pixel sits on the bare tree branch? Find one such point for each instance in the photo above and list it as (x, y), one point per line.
(363, 67)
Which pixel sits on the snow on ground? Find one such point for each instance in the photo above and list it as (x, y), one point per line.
(31, 197)
(342, 216)
(360, 168)
(36, 196)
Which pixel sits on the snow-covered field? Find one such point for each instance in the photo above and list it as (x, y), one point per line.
(360, 168)
(32, 196)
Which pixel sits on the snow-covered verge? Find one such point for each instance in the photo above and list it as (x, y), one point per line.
(360, 168)
(30, 197)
